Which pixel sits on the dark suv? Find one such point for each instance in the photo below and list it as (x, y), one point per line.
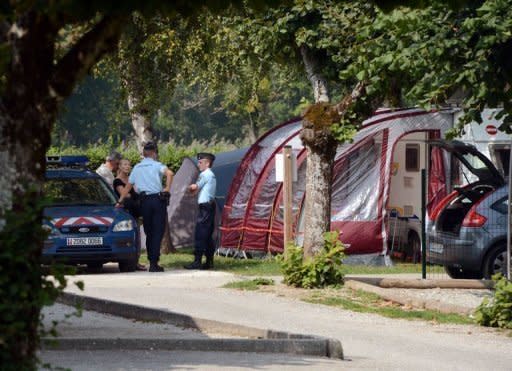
(84, 225)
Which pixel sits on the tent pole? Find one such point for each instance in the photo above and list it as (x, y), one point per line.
(287, 196)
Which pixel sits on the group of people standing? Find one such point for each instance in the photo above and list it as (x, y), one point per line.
(141, 192)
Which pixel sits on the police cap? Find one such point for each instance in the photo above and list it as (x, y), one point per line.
(204, 155)
(150, 146)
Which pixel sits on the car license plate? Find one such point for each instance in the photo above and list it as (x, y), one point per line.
(436, 247)
(84, 241)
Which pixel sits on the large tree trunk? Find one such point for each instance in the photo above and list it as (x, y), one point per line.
(130, 49)
(321, 149)
(317, 212)
(35, 86)
(141, 120)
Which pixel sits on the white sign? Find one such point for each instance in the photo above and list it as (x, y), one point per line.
(279, 159)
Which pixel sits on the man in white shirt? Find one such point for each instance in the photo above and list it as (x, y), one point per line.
(206, 186)
(111, 164)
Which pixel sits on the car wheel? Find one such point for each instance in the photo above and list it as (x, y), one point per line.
(128, 265)
(459, 273)
(94, 267)
(496, 262)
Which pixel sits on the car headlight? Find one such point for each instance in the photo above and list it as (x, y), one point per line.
(123, 226)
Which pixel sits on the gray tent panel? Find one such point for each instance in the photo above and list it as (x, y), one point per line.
(182, 210)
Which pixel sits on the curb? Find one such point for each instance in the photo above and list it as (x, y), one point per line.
(425, 284)
(416, 303)
(258, 340)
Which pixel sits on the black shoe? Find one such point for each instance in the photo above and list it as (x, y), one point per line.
(194, 265)
(155, 268)
(208, 265)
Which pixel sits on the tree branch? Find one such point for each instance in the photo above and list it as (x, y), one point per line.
(102, 39)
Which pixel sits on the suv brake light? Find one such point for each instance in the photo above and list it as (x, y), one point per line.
(473, 219)
(442, 204)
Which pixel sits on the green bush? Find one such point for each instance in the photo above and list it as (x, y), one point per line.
(324, 269)
(497, 311)
(169, 153)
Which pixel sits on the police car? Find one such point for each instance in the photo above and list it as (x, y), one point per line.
(84, 225)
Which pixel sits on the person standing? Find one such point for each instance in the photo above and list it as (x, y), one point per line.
(146, 176)
(107, 169)
(206, 186)
(131, 201)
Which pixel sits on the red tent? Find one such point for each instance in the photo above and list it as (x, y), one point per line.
(252, 218)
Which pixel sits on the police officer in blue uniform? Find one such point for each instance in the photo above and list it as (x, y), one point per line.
(146, 176)
(206, 186)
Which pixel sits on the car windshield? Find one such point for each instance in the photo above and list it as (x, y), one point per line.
(78, 191)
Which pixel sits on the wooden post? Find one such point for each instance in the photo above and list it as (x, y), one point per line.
(287, 196)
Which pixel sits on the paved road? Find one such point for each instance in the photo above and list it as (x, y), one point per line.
(369, 341)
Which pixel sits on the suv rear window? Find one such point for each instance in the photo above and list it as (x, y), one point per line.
(78, 191)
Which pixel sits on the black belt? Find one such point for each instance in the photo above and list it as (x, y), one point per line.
(146, 196)
(207, 203)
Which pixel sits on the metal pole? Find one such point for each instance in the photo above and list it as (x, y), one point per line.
(287, 196)
(423, 224)
(509, 215)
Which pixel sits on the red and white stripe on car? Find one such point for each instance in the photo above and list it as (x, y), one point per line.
(82, 220)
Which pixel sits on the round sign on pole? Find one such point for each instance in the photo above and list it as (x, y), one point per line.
(491, 129)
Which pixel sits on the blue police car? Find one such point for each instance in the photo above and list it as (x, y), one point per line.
(83, 223)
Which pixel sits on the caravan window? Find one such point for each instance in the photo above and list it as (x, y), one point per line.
(412, 157)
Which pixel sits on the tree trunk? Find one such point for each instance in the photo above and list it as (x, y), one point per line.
(318, 83)
(251, 130)
(130, 50)
(141, 120)
(321, 149)
(34, 88)
(25, 125)
(317, 212)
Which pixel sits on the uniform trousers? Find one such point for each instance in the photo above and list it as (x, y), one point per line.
(154, 217)
(204, 244)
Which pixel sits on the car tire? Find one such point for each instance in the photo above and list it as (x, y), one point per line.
(128, 265)
(496, 262)
(458, 273)
(413, 248)
(94, 267)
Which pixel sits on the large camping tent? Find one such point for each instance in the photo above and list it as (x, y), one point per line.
(252, 218)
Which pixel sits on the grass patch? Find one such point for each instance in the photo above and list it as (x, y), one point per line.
(250, 285)
(249, 267)
(270, 267)
(364, 302)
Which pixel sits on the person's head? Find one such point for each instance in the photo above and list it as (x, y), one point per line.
(205, 160)
(125, 166)
(113, 159)
(150, 150)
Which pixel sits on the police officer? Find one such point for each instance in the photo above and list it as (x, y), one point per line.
(146, 176)
(206, 186)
